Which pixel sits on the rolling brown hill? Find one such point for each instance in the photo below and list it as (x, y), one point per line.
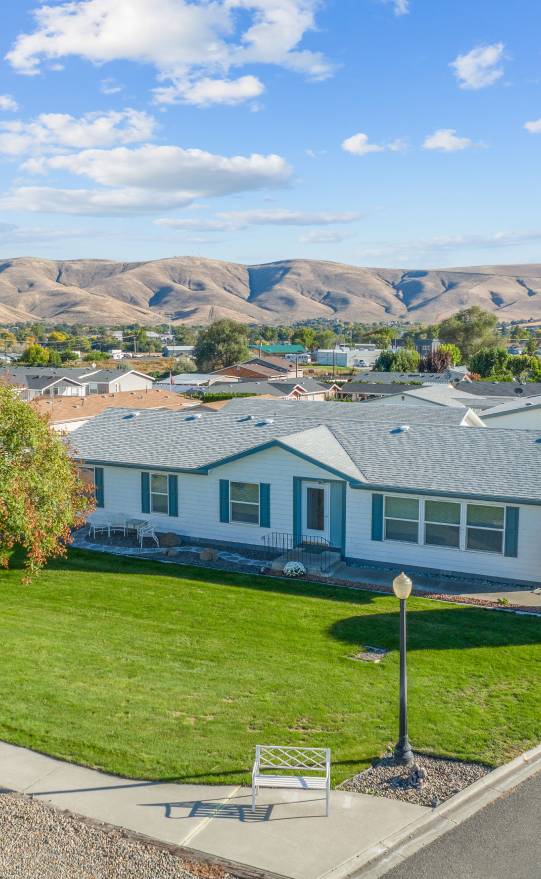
(195, 290)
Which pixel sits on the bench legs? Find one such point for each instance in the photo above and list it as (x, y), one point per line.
(254, 793)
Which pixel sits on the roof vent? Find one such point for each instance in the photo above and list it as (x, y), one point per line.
(247, 418)
(402, 428)
(265, 422)
(194, 417)
(131, 416)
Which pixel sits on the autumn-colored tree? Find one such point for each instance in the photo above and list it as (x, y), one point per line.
(41, 495)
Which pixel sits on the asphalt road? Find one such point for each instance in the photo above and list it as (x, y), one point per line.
(503, 841)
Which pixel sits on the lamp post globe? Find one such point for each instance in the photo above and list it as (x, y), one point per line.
(402, 586)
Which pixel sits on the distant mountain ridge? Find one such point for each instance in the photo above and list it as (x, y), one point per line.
(196, 290)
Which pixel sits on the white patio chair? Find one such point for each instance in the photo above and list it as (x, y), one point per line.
(147, 530)
(117, 523)
(99, 527)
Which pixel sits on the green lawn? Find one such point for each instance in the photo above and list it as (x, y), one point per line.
(174, 672)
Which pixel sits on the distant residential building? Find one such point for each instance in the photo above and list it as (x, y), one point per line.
(178, 350)
(280, 350)
(424, 347)
(262, 367)
(360, 356)
(46, 381)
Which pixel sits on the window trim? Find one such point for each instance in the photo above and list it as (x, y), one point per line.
(463, 526)
(257, 504)
(151, 493)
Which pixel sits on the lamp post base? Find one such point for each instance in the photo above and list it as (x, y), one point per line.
(403, 753)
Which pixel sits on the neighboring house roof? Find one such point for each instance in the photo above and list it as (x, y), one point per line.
(266, 388)
(443, 395)
(513, 406)
(310, 385)
(330, 412)
(63, 409)
(381, 388)
(42, 382)
(278, 349)
(106, 376)
(505, 389)
(439, 460)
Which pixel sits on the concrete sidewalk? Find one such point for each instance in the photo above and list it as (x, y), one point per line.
(288, 835)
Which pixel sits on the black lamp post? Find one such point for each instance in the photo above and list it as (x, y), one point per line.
(402, 587)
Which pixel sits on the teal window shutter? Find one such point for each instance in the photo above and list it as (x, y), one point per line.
(377, 517)
(173, 495)
(224, 500)
(98, 484)
(297, 509)
(145, 493)
(264, 504)
(511, 531)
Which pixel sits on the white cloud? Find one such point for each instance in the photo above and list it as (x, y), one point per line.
(401, 7)
(8, 104)
(207, 91)
(359, 145)
(234, 220)
(534, 127)
(91, 202)
(185, 41)
(109, 86)
(11, 234)
(416, 251)
(50, 131)
(447, 140)
(400, 145)
(480, 67)
(170, 168)
(324, 237)
(145, 179)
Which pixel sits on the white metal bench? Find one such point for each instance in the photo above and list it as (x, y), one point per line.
(294, 760)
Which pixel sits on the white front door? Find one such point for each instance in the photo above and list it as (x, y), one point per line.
(316, 501)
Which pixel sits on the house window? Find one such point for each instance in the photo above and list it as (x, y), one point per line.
(442, 523)
(244, 501)
(402, 519)
(88, 476)
(485, 527)
(159, 494)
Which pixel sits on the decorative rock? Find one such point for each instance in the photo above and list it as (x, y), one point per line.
(170, 539)
(208, 554)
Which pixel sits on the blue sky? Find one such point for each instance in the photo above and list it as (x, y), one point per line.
(398, 133)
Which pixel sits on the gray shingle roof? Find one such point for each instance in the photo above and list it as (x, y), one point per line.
(439, 459)
(329, 412)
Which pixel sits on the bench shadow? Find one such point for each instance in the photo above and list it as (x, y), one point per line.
(213, 809)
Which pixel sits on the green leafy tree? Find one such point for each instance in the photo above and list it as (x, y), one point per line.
(324, 339)
(223, 343)
(453, 351)
(471, 330)
(382, 337)
(41, 495)
(35, 355)
(304, 336)
(488, 362)
(532, 345)
(403, 360)
(524, 366)
(54, 358)
(7, 340)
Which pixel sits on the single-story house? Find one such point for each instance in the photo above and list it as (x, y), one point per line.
(356, 391)
(73, 381)
(418, 496)
(523, 413)
(303, 389)
(262, 367)
(66, 414)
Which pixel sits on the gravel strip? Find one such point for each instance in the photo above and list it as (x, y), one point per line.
(442, 779)
(40, 842)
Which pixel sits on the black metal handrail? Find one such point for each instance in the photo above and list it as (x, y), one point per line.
(311, 551)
